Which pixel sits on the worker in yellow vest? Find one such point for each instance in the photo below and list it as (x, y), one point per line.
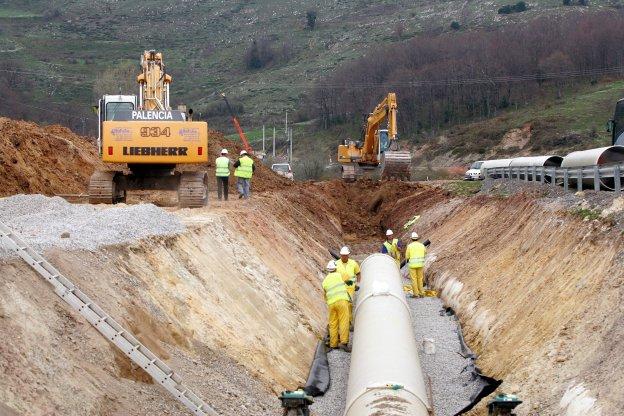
(338, 301)
(222, 173)
(350, 271)
(244, 171)
(415, 255)
(392, 247)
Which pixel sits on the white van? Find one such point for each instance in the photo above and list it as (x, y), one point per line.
(474, 173)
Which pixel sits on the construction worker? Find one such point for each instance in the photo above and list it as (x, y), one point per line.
(392, 247)
(338, 302)
(223, 174)
(350, 271)
(244, 171)
(415, 255)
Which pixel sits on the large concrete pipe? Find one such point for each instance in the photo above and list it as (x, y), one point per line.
(536, 161)
(495, 163)
(385, 378)
(599, 156)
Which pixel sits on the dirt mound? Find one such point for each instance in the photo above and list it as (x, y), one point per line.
(46, 160)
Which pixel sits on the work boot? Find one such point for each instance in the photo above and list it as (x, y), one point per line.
(240, 196)
(345, 347)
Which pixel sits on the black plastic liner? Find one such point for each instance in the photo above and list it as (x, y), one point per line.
(318, 378)
(487, 385)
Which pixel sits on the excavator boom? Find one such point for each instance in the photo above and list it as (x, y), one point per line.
(237, 126)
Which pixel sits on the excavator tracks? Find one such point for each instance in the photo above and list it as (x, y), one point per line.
(104, 190)
(192, 191)
(397, 165)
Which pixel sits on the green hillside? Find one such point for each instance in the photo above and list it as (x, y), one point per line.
(66, 44)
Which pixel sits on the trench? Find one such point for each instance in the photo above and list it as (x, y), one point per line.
(238, 293)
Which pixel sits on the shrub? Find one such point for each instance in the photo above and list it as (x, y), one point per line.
(311, 19)
(455, 25)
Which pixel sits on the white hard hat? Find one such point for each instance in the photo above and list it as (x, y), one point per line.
(414, 235)
(331, 265)
(345, 251)
(224, 151)
(243, 152)
(389, 232)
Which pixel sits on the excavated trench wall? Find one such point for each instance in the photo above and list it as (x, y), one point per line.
(539, 293)
(233, 304)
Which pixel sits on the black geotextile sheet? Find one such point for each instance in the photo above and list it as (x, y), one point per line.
(318, 378)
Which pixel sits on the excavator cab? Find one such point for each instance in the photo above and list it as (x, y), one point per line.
(384, 140)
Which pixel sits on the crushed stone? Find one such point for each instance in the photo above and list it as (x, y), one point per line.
(52, 222)
(452, 383)
(332, 403)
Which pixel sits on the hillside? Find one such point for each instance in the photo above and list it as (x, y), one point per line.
(65, 45)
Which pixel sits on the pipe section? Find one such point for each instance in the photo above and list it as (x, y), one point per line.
(599, 156)
(495, 163)
(385, 378)
(537, 161)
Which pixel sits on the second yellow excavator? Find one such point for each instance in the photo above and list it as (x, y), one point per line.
(379, 147)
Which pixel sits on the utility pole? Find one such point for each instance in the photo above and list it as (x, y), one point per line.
(290, 134)
(286, 125)
(263, 150)
(274, 142)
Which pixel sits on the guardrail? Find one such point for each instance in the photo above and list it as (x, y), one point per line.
(598, 176)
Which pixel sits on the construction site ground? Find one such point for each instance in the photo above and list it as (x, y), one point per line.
(229, 295)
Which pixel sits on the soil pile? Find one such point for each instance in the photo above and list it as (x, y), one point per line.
(46, 160)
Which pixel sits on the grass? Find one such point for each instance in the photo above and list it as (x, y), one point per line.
(462, 188)
(586, 214)
(7, 13)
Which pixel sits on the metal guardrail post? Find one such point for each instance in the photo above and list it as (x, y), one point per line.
(526, 174)
(553, 177)
(533, 171)
(617, 183)
(579, 179)
(566, 175)
(596, 178)
(542, 173)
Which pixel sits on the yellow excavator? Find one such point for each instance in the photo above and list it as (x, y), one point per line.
(379, 147)
(148, 136)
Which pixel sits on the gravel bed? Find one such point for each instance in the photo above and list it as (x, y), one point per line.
(46, 222)
(332, 403)
(451, 383)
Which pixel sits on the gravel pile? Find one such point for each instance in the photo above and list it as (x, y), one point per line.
(46, 222)
(332, 403)
(451, 382)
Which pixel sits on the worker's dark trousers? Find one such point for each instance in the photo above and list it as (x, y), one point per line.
(222, 186)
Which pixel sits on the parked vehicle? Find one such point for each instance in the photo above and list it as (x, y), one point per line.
(283, 169)
(474, 173)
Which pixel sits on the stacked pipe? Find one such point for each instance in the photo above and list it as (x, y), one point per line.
(385, 378)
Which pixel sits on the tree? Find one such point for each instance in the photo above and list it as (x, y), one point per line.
(311, 18)
(455, 25)
(119, 79)
(399, 28)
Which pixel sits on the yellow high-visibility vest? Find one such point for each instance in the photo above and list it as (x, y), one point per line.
(348, 270)
(335, 288)
(245, 170)
(223, 166)
(393, 249)
(415, 254)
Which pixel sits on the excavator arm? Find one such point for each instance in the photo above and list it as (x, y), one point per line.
(237, 125)
(387, 109)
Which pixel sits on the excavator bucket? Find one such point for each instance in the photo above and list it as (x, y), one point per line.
(397, 165)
